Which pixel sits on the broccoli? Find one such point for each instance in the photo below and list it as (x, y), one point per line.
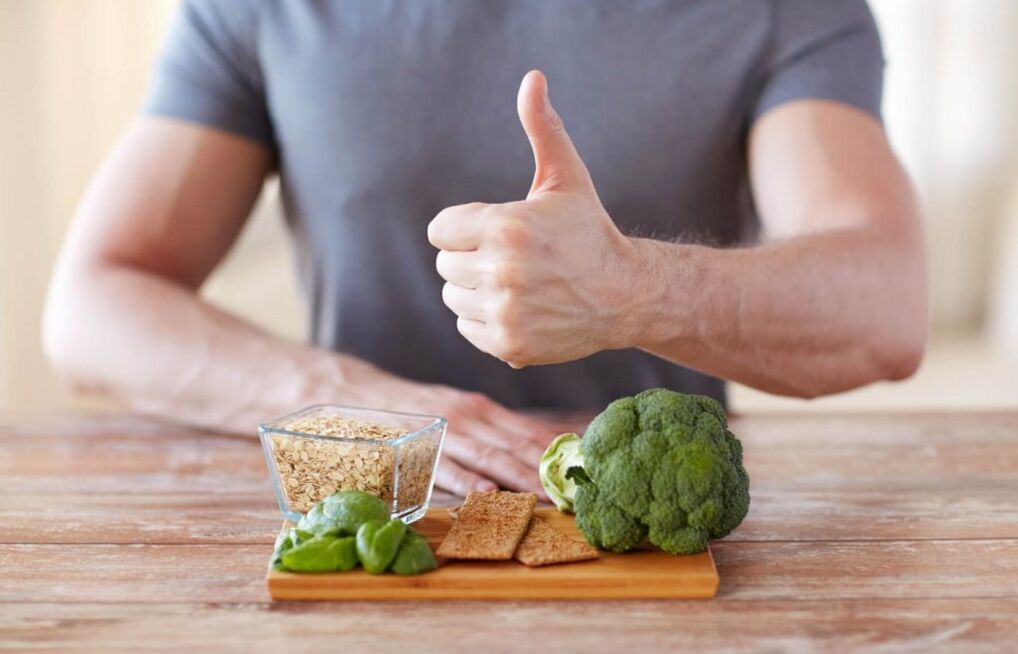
(660, 466)
(562, 454)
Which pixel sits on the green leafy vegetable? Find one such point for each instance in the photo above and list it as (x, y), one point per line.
(285, 541)
(578, 475)
(343, 513)
(347, 527)
(315, 520)
(660, 465)
(378, 542)
(347, 553)
(414, 555)
(322, 554)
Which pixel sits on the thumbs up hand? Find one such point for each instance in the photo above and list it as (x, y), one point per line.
(546, 279)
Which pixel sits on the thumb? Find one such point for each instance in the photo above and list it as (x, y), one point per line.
(557, 164)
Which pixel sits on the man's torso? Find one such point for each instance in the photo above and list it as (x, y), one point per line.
(385, 113)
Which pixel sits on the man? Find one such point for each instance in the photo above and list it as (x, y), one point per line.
(390, 124)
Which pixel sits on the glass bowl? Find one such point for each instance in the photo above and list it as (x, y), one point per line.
(326, 448)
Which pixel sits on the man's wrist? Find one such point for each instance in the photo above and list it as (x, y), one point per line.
(656, 273)
(336, 378)
(633, 295)
(326, 377)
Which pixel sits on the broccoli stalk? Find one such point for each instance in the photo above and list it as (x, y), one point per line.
(660, 466)
(562, 455)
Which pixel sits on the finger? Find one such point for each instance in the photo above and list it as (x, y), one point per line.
(557, 164)
(461, 268)
(456, 479)
(526, 427)
(524, 449)
(458, 228)
(465, 302)
(476, 332)
(492, 462)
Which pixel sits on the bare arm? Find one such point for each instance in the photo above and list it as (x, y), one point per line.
(835, 300)
(124, 316)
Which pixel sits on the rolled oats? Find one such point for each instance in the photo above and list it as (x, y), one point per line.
(311, 469)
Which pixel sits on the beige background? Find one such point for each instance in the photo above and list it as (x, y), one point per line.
(73, 73)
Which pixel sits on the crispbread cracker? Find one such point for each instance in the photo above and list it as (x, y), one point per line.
(489, 526)
(545, 545)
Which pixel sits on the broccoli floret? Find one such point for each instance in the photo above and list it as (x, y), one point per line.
(660, 465)
(603, 523)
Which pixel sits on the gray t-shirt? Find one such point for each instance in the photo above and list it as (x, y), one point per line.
(382, 113)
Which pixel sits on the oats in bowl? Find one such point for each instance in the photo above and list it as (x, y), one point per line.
(322, 450)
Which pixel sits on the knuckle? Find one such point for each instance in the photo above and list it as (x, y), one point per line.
(442, 262)
(555, 123)
(434, 232)
(484, 451)
(505, 313)
(462, 326)
(443, 216)
(475, 402)
(463, 479)
(507, 275)
(445, 221)
(452, 298)
(474, 398)
(511, 233)
(511, 347)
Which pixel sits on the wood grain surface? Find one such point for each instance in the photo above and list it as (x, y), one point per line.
(874, 533)
(640, 574)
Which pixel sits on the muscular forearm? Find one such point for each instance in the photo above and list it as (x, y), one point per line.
(841, 303)
(160, 349)
(815, 314)
(157, 347)
(124, 315)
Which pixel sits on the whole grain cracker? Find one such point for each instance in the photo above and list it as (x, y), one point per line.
(489, 526)
(545, 545)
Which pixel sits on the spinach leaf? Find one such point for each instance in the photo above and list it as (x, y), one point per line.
(414, 555)
(378, 542)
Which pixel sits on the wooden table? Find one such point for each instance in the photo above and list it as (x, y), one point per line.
(879, 533)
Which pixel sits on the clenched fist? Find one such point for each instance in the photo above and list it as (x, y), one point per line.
(546, 279)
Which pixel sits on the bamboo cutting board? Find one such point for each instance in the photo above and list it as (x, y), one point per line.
(636, 574)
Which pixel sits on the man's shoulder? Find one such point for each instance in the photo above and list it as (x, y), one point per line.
(799, 15)
(231, 14)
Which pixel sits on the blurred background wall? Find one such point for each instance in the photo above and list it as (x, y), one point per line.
(72, 73)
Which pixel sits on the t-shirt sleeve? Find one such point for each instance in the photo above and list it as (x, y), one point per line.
(823, 49)
(208, 71)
